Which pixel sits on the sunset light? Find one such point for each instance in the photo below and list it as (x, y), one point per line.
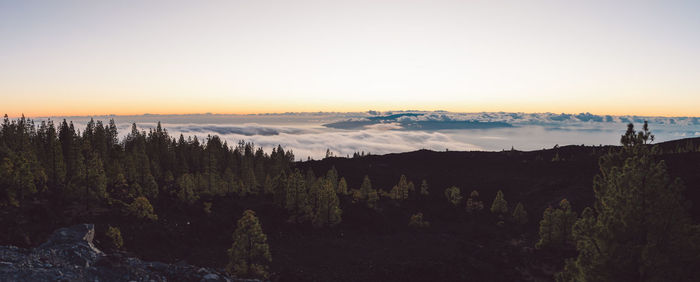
(290, 56)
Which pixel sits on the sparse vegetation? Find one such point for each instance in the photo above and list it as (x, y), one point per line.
(417, 221)
(114, 236)
(453, 195)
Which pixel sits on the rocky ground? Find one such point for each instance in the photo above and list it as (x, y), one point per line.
(70, 255)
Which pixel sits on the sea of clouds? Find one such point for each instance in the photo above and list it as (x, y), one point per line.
(311, 134)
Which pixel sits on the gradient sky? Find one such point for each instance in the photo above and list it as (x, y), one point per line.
(134, 57)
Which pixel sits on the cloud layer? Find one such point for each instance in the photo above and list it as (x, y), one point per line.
(306, 135)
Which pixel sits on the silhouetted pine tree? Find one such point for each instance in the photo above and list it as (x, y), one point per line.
(519, 214)
(499, 205)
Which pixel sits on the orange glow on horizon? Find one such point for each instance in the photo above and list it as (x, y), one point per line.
(176, 109)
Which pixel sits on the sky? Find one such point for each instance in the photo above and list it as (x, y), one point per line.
(62, 58)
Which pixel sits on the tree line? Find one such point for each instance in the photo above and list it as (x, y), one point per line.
(93, 168)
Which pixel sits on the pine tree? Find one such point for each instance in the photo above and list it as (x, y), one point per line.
(96, 184)
(546, 229)
(638, 229)
(453, 195)
(186, 193)
(250, 182)
(150, 188)
(565, 220)
(297, 197)
(137, 158)
(115, 237)
(366, 187)
(556, 227)
(268, 185)
(69, 146)
(328, 210)
(7, 182)
(31, 177)
(332, 176)
(311, 201)
(395, 193)
(53, 159)
(401, 190)
(280, 193)
(230, 181)
(519, 214)
(249, 255)
(342, 187)
(310, 178)
(372, 198)
(259, 169)
(211, 152)
(77, 181)
(120, 188)
(141, 208)
(499, 205)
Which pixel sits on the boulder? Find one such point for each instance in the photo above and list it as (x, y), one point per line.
(70, 255)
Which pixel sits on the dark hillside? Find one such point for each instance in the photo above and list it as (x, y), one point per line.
(530, 177)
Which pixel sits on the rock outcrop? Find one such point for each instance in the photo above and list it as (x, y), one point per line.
(70, 255)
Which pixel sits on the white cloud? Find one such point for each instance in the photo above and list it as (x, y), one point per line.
(304, 134)
(314, 143)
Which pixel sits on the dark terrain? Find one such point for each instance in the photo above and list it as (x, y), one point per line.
(378, 244)
(70, 255)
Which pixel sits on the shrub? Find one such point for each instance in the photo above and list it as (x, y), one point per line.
(417, 221)
(114, 236)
